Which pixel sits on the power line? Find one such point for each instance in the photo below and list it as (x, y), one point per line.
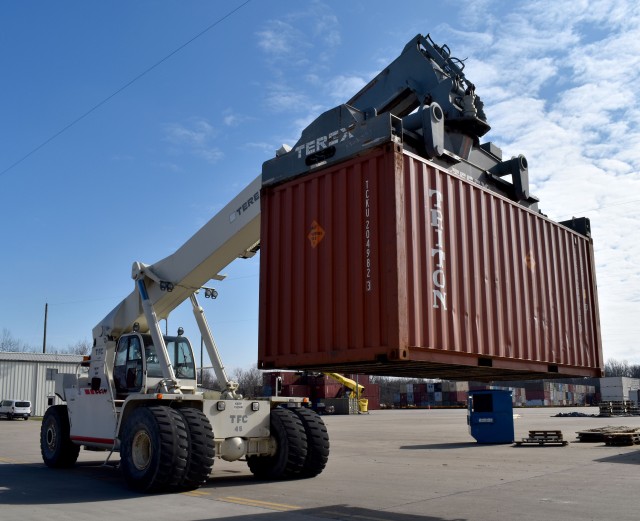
(125, 86)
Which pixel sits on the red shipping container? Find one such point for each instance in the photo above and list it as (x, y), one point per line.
(387, 264)
(459, 397)
(327, 390)
(371, 390)
(296, 390)
(374, 403)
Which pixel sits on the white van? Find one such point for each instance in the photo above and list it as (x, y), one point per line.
(15, 409)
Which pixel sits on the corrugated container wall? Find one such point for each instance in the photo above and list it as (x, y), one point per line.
(387, 264)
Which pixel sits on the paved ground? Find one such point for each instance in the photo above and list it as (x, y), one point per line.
(400, 465)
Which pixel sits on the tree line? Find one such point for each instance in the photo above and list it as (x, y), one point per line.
(8, 343)
(621, 368)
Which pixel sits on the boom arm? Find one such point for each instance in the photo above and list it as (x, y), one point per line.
(233, 232)
(358, 389)
(160, 288)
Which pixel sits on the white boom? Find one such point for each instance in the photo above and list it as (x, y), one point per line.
(233, 232)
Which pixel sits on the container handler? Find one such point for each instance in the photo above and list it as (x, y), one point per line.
(140, 394)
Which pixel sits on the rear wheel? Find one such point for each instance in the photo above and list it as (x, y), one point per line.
(58, 451)
(291, 448)
(201, 451)
(317, 442)
(153, 450)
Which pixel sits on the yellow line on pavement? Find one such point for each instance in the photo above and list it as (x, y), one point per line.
(256, 503)
(196, 493)
(354, 516)
(9, 460)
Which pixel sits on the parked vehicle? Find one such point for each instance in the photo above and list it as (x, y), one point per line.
(15, 409)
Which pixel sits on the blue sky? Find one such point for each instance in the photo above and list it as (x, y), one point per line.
(136, 177)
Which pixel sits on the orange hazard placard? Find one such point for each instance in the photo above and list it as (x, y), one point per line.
(316, 234)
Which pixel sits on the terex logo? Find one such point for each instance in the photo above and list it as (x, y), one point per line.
(315, 145)
(254, 199)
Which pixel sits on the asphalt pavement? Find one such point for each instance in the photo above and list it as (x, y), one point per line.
(394, 465)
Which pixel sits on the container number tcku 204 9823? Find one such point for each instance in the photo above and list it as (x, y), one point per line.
(368, 279)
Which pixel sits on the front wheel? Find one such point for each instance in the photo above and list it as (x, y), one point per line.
(289, 436)
(201, 450)
(153, 450)
(58, 451)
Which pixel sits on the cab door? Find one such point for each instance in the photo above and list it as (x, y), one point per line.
(128, 369)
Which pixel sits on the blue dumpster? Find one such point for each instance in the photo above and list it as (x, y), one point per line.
(490, 416)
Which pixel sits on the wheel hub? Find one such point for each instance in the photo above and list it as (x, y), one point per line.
(141, 450)
(51, 437)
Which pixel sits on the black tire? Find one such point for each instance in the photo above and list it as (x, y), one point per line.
(10, 417)
(317, 442)
(291, 448)
(58, 451)
(201, 449)
(153, 449)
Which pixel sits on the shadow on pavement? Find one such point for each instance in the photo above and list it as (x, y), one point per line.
(89, 482)
(338, 512)
(629, 458)
(36, 484)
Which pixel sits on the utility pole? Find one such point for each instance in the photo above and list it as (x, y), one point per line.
(44, 340)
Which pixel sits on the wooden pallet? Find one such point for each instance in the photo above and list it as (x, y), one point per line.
(622, 438)
(543, 438)
(599, 434)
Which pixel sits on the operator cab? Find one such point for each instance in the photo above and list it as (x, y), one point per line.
(137, 368)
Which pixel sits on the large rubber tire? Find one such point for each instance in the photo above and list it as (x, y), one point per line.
(58, 451)
(317, 442)
(291, 441)
(153, 449)
(201, 449)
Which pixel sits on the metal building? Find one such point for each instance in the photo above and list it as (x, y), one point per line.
(31, 376)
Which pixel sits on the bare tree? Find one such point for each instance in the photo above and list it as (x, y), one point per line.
(208, 379)
(9, 343)
(249, 382)
(82, 347)
(616, 368)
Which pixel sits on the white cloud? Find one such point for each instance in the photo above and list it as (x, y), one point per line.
(231, 118)
(280, 40)
(341, 88)
(558, 82)
(281, 97)
(196, 137)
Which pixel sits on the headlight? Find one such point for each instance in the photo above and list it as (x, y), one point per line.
(255, 406)
(221, 406)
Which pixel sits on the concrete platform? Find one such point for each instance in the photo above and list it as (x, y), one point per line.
(399, 465)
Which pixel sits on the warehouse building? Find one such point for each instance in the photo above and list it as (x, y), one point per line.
(31, 376)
